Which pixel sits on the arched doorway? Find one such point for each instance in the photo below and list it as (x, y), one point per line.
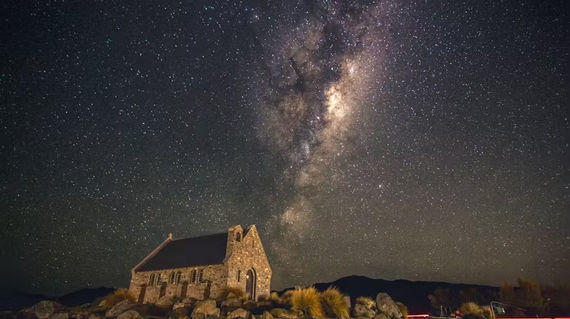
(250, 284)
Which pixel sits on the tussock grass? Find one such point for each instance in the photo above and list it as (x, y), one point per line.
(333, 303)
(308, 301)
(285, 298)
(115, 297)
(233, 292)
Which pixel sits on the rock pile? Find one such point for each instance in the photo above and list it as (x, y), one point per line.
(383, 308)
(167, 308)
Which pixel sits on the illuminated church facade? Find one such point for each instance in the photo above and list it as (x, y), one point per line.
(202, 267)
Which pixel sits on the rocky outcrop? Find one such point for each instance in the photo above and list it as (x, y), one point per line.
(206, 309)
(285, 313)
(129, 314)
(44, 309)
(119, 308)
(239, 314)
(364, 308)
(387, 306)
(165, 302)
(231, 304)
(59, 315)
(266, 315)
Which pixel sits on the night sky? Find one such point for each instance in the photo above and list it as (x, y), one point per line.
(422, 140)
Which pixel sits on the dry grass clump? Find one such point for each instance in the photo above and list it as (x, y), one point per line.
(233, 292)
(471, 308)
(273, 297)
(285, 298)
(307, 300)
(333, 303)
(115, 297)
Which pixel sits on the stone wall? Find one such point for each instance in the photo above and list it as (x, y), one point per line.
(246, 254)
(214, 279)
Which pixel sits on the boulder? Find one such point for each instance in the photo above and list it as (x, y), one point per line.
(387, 306)
(284, 313)
(180, 310)
(249, 305)
(381, 316)
(366, 302)
(165, 301)
(79, 315)
(178, 305)
(44, 309)
(232, 303)
(262, 306)
(59, 315)
(239, 314)
(94, 316)
(266, 315)
(361, 311)
(119, 308)
(189, 301)
(129, 314)
(205, 309)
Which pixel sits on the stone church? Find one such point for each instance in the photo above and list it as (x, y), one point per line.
(201, 267)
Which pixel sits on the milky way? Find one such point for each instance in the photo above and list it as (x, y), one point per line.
(393, 139)
(321, 73)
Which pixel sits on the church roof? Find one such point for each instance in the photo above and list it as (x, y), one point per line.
(188, 252)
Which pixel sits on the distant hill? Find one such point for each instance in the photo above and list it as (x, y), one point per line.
(412, 293)
(18, 300)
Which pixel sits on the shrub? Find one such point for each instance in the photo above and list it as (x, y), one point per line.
(307, 300)
(471, 308)
(115, 297)
(274, 296)
(333, 303)
(232, 292)
(403, 309)
(286, 297)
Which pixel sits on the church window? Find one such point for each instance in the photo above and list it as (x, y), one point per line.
(238, 275)
(172, 278)
(238, 237)
(151, 280)
(193, 275)
(201, 276)
(178, 276)
(158, 280)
